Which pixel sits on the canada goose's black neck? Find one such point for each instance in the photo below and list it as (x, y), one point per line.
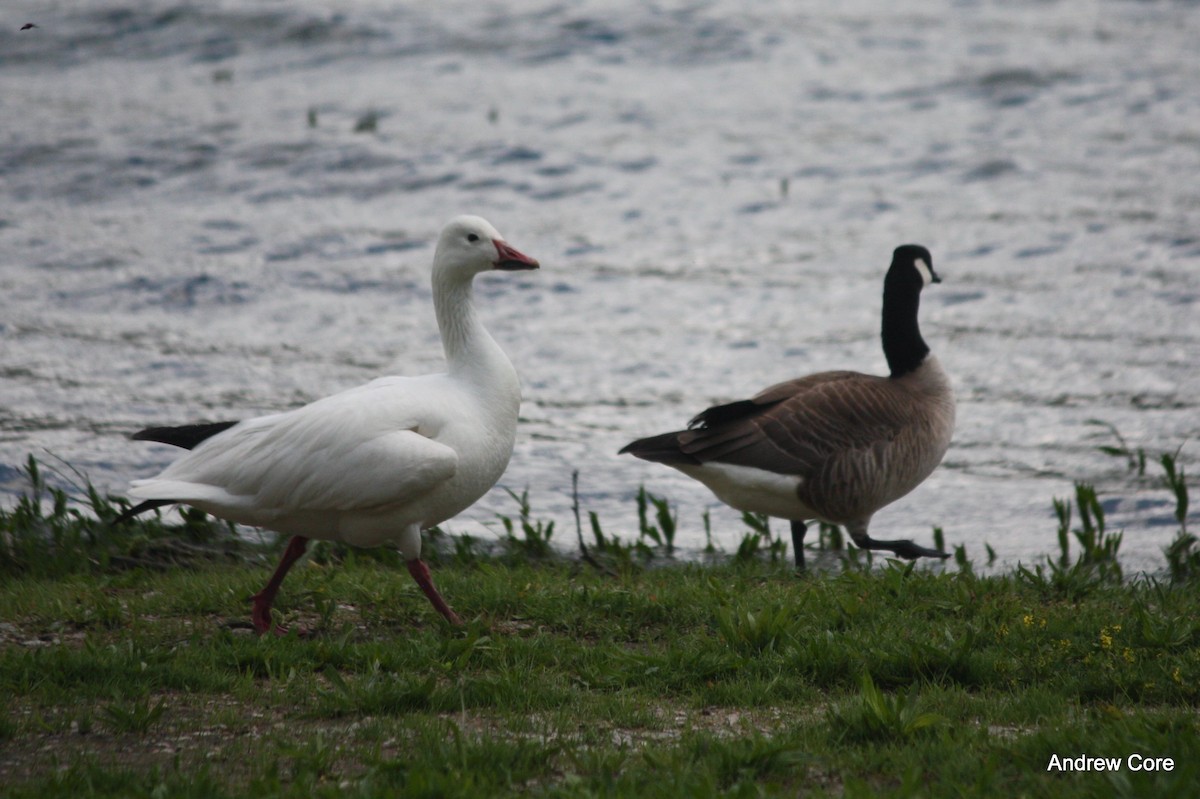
(903, 346)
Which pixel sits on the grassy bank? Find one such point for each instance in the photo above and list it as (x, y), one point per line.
(128, 668)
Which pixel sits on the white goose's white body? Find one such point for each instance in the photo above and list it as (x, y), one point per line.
(380, 462)
(370, 465)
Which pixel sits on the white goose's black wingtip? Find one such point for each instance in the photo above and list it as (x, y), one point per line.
(139, 509)
(186, 436)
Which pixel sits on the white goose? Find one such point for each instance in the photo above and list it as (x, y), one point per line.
(836, 446)
(374, 464)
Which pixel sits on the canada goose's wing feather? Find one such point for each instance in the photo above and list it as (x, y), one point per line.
(803, 426)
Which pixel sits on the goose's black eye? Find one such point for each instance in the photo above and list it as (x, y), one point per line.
(471, 237)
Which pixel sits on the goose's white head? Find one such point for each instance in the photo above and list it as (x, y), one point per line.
(469, 245)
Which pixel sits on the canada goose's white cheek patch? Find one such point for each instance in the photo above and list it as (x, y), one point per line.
(923, 268)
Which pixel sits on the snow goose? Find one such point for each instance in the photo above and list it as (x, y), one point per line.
(835, 446)
(373, 464)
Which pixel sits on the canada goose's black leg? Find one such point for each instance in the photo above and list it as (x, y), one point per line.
(902, 549)
(798, 531)
(905, 549)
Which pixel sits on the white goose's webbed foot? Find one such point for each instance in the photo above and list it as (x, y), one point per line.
(420, 573)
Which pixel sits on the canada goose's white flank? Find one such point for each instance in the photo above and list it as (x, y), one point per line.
(836, 446)
(374, 464)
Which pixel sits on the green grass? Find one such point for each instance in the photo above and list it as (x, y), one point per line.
(699, 681)
(127, 668)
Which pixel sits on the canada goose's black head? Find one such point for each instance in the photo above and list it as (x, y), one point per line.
(912, 266)
(911, 271)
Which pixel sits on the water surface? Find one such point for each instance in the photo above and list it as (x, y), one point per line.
(192, 228)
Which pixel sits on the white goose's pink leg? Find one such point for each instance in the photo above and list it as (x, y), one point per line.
(261, 614)
(420, 573)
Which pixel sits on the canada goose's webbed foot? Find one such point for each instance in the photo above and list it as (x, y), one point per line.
(798, 531)
(908, 550)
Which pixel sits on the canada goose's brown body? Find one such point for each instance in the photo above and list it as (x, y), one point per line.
(835, 446)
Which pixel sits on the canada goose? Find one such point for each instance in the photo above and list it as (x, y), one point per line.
(835, 446)
(372, 464)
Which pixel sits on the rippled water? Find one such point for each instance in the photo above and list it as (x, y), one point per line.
(191, 228)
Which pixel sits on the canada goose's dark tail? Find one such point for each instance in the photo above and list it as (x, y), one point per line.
(663, 448)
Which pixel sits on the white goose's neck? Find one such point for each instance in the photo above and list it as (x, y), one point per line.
(471, 353)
